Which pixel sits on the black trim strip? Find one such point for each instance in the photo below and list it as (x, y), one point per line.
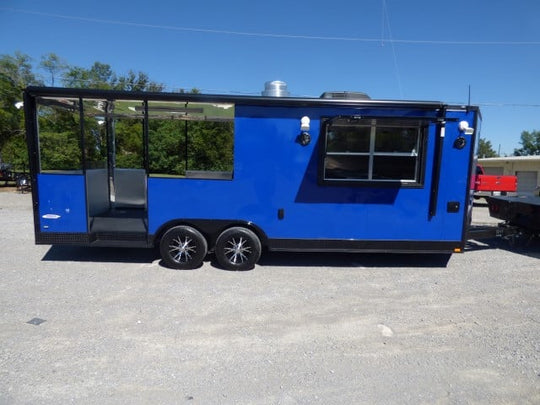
(30, 118)
(436, 172)
(112, 239)
(146, 163)
(34, 91)
(467, 217)
(375, 246)
(283, 245)
(82, 139)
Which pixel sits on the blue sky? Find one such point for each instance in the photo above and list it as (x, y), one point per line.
(390, 49)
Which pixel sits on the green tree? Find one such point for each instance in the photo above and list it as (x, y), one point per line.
(485, 150)
(99, 76)
(136, 82)
(210, 145)
(15, 152)
(18, 68)
(15, 74)
(530, 144)
(60, 151)
(166, 146)
(59, 130)
(53, 64)
(10, 116)
(129, 146)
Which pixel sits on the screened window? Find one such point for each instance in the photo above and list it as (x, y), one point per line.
(166, 138)
(59, 134)
(127, 130)
(382, 150)
(95, 133)
(190, 139)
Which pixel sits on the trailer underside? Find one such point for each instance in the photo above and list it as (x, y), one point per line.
(521, 211)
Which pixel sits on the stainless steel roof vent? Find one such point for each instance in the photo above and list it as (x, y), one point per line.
(275, 88)
(345, 95)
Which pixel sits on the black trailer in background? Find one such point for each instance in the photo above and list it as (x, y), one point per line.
(522, 212)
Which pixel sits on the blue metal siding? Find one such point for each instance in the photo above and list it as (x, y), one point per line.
(62, 203)
(454, 173)
(273, 172)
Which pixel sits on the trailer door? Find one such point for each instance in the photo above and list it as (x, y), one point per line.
(59, 190)
(115, 168)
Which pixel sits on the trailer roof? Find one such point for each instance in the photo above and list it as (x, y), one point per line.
(238, 99)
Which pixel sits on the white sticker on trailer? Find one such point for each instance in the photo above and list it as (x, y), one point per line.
(50, 216)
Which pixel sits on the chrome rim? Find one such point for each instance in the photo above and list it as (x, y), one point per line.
(237, 250)
(182, 249)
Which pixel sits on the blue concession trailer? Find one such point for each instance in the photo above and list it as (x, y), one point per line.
(238, 175)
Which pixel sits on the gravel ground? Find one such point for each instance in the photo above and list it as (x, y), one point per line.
(94, 326)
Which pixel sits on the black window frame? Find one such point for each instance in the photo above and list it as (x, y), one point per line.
(421, 124)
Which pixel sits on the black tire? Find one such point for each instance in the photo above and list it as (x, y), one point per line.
(238, 249)
(183, 247)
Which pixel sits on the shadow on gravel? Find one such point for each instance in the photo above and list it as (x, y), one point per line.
(353, 259)
(480, 203)
(282, 259)
(520, 246)
(99, 254)
(477, 245)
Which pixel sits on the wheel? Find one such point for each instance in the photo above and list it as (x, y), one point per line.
(183, 247)
(238, 249)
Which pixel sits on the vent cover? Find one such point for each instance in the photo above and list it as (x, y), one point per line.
(275, 88)
(345, 95)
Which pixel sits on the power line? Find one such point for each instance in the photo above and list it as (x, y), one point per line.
(396, 67)
(520, 105)
(271, 35)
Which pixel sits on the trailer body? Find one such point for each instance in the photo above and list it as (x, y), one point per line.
(304, 174)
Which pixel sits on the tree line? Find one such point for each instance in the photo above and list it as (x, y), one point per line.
(18, 71)
(529, 141)
(174, 146)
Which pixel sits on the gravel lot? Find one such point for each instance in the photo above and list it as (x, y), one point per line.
(94, 326)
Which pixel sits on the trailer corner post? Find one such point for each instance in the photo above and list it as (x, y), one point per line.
(434, 194)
